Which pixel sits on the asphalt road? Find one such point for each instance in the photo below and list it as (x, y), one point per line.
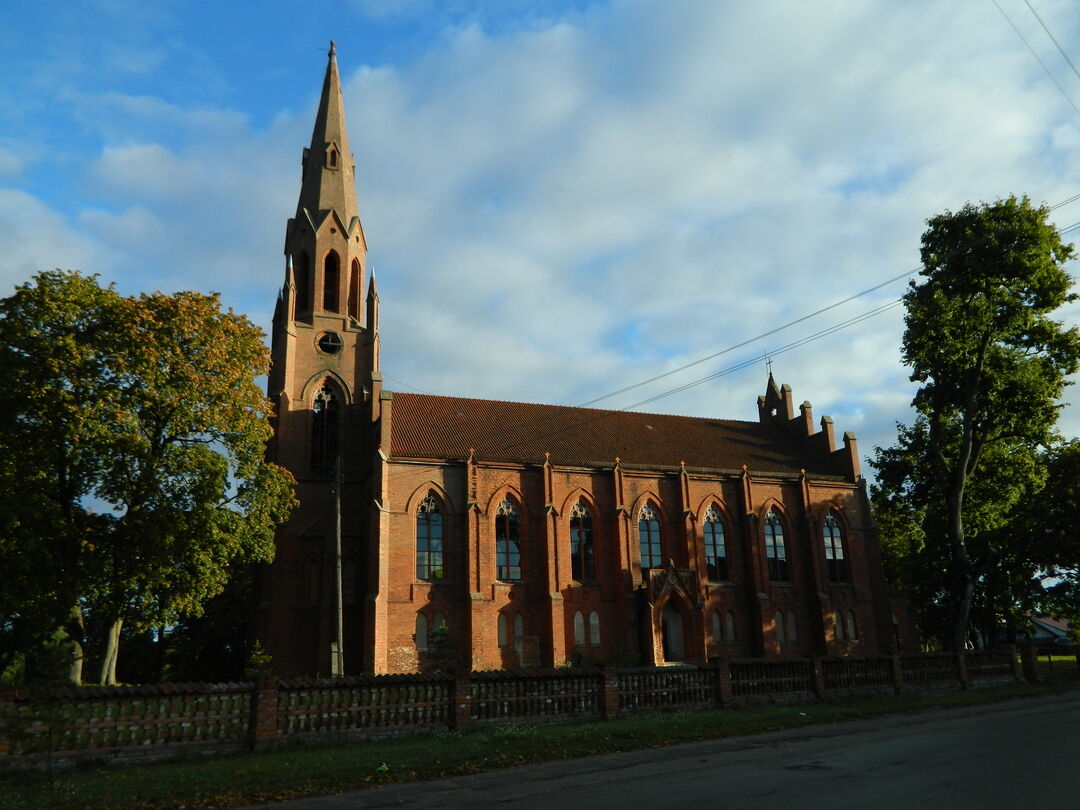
(1020, 754)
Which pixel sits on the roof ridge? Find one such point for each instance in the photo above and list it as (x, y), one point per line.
(574, 407)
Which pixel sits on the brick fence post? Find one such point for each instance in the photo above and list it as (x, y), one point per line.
(723, 683)
(609, 694)
(818, 676)
(1029, 662)
(897, 673)
(962, 670)
(264, 714)
(461, 702)
(1014, 662)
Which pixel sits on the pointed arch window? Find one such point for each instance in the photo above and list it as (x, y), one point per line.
(649, 538)
(324, 432)
(775, 550)
(729, 626)
(594, 629)
(331, 281)
(429, 539)
(778, 620)
(354, 290)
(716, 623)
(582, 559)
(835, 557)
(716, 565)
(792, 626)
(519, 637)
(507, 542)
(421, 635)
(333, 158)
(303, 283)
(579, 629)
(852, 629)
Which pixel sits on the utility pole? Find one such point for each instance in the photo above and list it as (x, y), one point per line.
(337, 647)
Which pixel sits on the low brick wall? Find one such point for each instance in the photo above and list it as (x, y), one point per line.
(140, 723)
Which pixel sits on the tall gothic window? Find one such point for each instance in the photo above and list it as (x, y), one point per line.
(649, 538)
(507, 542)
(302, 275)
(331, 278)
(582, 560)
(429, 539)
(835, 559)
(715, 549)
(775, 550)
(354, 291)
(324, 432)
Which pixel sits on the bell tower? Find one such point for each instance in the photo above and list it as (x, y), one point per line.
(323, 379)
(325, 347)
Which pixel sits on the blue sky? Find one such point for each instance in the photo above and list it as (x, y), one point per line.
(561, 199)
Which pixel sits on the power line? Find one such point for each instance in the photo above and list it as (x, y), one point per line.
(772, 353)
(1037, 59)
(1052, 38)
(748, 341)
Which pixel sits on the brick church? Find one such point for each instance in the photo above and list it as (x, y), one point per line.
(484, 534)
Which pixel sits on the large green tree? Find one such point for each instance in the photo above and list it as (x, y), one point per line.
(992, 363)
(137, 437)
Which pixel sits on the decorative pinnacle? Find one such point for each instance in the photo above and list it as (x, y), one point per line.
(333, 48)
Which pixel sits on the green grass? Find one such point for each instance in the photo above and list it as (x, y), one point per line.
(322, 769)
(1058, 668)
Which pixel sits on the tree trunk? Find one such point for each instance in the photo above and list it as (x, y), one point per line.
(963, 589)
(77, 636)
(112, 650)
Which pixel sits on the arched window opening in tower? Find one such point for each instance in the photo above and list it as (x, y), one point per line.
(429, 540)
(649, 538)
(354, 291)
(775, 550)
(715, 548)
(302, 275)
(835, 559)
(324, 432)
(507, 542)
(331, 279)
(582, 561)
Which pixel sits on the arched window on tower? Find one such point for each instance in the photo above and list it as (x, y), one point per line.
(649, 538)
(333, 158)
(715, 549)
(324, 432)
(354, 290)
(302, 276)
(582, 561)
(775, 550)
(331, 280)
(429, 539)
(507, 542)
(835, 558)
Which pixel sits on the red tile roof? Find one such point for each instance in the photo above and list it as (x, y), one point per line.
(424, 426)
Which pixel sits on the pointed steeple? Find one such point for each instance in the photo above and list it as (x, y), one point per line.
(329, 182)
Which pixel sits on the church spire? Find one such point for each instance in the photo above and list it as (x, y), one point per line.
(328, 181)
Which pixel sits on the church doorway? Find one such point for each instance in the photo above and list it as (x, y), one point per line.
(672, 634)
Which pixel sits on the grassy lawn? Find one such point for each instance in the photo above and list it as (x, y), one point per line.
(322, 769)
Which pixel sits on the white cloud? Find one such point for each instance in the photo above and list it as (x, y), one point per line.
(560, 207)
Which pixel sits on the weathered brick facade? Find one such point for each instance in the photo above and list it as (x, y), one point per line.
(484, 535)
